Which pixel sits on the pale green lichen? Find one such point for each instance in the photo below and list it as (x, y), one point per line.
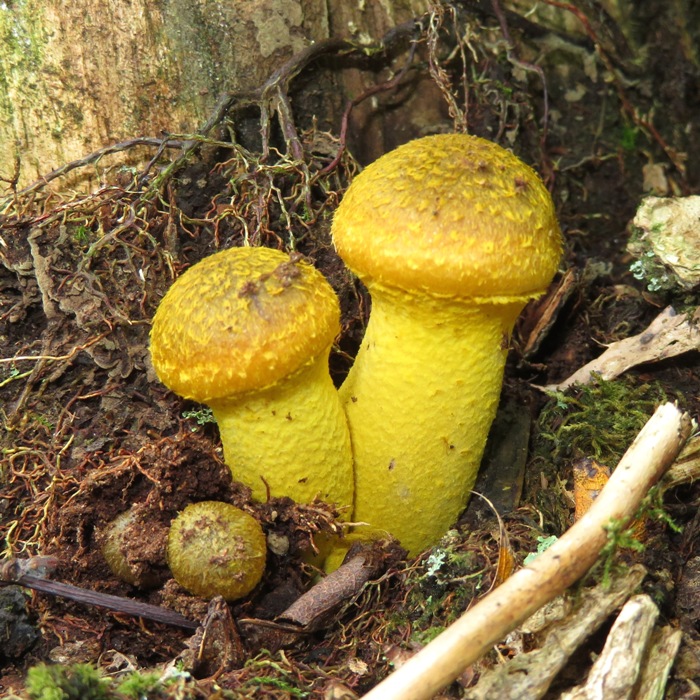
(23, 37)
(275, 24)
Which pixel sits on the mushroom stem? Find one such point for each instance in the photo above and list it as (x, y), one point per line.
(304, 422)
(445, 357)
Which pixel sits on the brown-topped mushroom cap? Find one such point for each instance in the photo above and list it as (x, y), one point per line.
(241, 320)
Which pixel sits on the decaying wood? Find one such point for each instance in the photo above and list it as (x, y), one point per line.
(614, 674)
(530, 675)
(216, 647)
(686, 469)
(669, 334)
(549, 309)
(500, 612)
(85, 74)
(662, 653)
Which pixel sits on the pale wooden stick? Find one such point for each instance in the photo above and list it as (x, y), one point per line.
(500, 612)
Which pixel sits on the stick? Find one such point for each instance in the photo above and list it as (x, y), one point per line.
(312, 610)
(500, 612)
(30, 573)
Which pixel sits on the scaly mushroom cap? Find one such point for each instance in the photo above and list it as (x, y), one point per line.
(241, 320)
(215, 548)
(453, 215)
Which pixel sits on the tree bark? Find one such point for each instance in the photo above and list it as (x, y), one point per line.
(81, 75)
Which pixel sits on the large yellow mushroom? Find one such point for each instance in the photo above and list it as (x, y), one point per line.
(248, 331)
(452, 235)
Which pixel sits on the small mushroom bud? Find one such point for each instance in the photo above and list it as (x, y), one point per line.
(118, 542)
(215, 549)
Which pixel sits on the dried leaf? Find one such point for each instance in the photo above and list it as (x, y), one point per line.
(668, 335)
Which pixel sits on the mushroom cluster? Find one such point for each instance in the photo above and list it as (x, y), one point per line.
(452, 235)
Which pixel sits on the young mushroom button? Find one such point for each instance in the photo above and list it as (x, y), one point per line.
(248, 332)
(452, 235)
(215, 548)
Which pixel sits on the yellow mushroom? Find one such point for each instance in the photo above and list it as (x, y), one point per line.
(215, 548)
(248, 331)
(452, 235)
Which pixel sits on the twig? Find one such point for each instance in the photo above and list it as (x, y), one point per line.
(312, 610)
(498, 613)
(97, 155)
(53, 358)
(13, 571)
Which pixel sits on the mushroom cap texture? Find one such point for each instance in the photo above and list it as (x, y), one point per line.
(215, 548)
(452, 215)
(241, 320)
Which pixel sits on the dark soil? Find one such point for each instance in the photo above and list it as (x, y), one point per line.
(89, 432)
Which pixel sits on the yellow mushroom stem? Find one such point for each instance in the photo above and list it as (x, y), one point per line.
(420, 399)
(290, 439)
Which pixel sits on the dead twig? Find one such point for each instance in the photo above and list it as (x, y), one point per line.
(312, 610)
(19, 572)
(95, 156)
(500, 612)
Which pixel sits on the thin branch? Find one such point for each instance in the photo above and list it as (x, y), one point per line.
(98, 155)
(13, 571)
(53, 358)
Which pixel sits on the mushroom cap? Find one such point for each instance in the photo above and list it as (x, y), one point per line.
(452, 215)
(215, 548)
(241, 320)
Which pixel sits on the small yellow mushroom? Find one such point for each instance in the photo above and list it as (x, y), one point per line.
(248, 332)
(215, 548)
(452, 235)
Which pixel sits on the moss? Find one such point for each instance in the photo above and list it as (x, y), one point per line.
(270, 676)
(141, 685)
(22, 36)
(84, 682)
(599, 420)
(78, 682)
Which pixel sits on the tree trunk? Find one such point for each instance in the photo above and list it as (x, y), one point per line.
(81, 75)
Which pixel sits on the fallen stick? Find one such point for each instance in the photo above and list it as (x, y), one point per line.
(19, 572)
(312, 610)
(567, 560)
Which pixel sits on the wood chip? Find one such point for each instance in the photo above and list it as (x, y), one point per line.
(615, 673)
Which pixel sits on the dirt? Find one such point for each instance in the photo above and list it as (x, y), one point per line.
(89, 432)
